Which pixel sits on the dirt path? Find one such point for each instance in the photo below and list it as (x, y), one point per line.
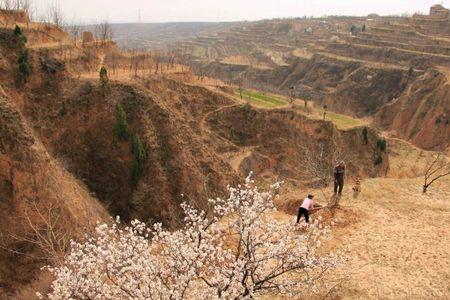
(235, 159)
(203, 120)
(51, 45)
(445, 71)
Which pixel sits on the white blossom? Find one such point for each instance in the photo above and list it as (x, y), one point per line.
(238, 251)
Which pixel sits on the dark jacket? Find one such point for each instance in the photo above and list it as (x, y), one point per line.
(339, 172)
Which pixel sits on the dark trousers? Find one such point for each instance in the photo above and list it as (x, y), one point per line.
(304, 212)
(338, 184)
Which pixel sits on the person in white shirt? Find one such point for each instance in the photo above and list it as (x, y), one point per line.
(304, 209)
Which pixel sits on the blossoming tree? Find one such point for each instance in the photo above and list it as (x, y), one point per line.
(239, 251)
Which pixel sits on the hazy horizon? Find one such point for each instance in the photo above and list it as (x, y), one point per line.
(145, 11)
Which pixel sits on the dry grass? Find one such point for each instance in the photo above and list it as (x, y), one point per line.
(341, 121)
(369, 64)
(400, 246)
(302, 53)
(245, 61)
(395, 237)
(406, 160)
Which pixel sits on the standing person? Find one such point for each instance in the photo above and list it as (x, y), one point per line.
(339, 175)
(304, 209)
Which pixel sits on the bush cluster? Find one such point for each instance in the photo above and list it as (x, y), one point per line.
(25, 67)
(121, 128)
(103, 78)
(365, 135)
(378, 159)
(382, 144)
(18, 32)
(24, 64)
(138, 152)
(247, 108)
(139, 158)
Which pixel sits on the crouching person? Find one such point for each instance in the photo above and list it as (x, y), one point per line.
(304, 209)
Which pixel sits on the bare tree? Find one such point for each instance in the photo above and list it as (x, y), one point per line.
(55, 14)
(325, 109)
(437, 168)
(47, 228)
(291, 94)
(113, 62)
(75, 29)
(157, 59)
(104, 31)
(240, 86)
(15, 4)
(6, 4)
(318, 164)
(134, 63)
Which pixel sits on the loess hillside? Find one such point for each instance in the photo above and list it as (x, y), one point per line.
(170, 127)
(63, 158)
(365, 66)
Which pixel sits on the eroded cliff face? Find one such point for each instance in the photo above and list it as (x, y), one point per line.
(60, 149)
(422, 113)
(367, 73)
(347, 87)
(37, 197)
(278, 140)
(77, 123)
(61, 158)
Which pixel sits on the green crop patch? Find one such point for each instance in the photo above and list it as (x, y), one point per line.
(259, 99)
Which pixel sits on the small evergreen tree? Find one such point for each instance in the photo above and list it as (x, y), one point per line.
(18, 32)
(121, 127)
(382, 144)
(24, 65)
(139, 158)
(104, 80)
(63, 110)
(365, 133)
(247, 110)
(378, 160)
(363, 29)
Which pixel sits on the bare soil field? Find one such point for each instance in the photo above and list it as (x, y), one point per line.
(396, 238)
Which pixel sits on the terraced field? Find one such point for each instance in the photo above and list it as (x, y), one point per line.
(268, 100)
(261, 100)
(357, 66)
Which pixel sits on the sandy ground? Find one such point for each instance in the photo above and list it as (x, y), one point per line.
(396, 239)
(399, 243)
